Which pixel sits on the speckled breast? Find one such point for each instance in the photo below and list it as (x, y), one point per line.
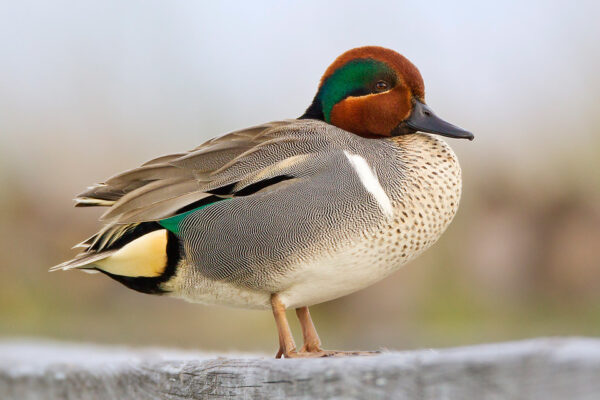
(430, 189)
(424, 189)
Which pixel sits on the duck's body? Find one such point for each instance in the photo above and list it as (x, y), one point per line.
(290, 213)
(361, 209)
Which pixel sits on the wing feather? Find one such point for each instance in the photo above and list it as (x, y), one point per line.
(150, 194)
(160, 210)
(263, 158)
(223, 165)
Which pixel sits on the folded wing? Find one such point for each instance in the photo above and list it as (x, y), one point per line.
(240, 163)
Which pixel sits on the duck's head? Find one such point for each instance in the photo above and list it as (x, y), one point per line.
(373, 92)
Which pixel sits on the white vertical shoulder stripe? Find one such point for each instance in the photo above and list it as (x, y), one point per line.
(370, 182)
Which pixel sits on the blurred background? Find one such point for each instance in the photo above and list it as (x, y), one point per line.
(90, 88)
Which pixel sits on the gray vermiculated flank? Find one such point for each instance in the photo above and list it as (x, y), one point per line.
(251, 241)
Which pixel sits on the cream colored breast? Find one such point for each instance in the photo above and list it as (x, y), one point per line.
(424, 194)
(430, 193)
(425, 197)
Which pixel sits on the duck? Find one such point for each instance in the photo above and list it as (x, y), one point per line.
(290, 213)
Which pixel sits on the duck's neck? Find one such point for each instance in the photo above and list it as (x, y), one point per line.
(314, 111)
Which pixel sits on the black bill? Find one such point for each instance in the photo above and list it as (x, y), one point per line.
(424, 119)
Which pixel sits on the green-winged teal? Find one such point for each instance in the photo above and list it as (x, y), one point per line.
(290, 213)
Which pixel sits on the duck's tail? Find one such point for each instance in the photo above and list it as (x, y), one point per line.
(141, 256)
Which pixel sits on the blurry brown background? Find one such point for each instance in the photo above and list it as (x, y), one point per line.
(88, 89)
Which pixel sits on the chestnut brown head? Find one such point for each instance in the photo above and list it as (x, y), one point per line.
(373, 92)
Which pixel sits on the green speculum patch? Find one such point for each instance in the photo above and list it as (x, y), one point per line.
(172, 223)
(355, 78)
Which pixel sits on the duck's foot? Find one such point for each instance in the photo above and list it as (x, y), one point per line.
(330, 353)
(324, 353)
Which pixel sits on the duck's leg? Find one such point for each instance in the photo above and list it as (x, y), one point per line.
(286, 340)
(312, 343)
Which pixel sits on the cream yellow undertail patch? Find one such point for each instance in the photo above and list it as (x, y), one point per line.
(146, 256)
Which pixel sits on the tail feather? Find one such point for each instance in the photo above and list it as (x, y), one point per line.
(83, 261)
(86, 243)
(92, 202)
(142, 256)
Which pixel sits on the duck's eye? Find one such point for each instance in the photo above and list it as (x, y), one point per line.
(381, 86)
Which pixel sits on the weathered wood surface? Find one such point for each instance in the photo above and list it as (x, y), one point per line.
(534, 369)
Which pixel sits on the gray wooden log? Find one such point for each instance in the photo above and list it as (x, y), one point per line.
(533, 369)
